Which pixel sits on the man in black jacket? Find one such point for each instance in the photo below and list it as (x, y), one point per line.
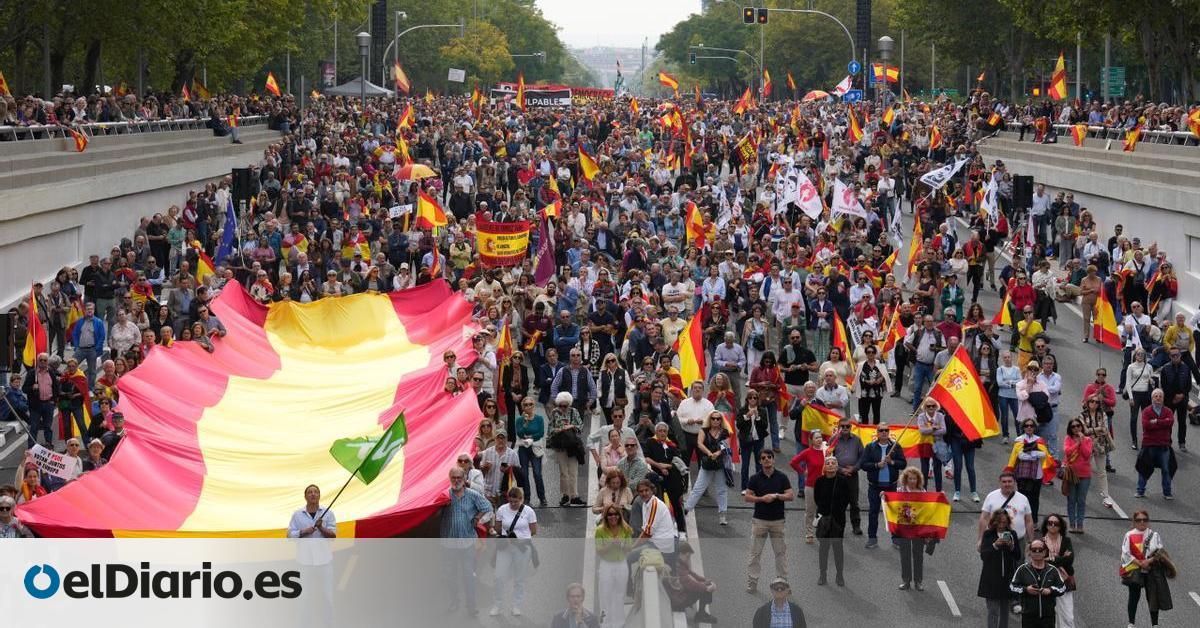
(883, 460)
(780, 607)
(1175, 378)
(1038, 583)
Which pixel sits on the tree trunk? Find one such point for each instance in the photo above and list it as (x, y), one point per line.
(185, 67)
(57, 58)
(18, 86)
(91, 66)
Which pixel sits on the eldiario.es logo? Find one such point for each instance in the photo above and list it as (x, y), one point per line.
(116, 581)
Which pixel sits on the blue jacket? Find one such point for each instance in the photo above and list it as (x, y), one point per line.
(17, 401)
(873, 455)
(97, 330)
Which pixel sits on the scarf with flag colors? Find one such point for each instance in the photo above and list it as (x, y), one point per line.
(1058, 80)
(272, 85)
(1104, 325)
(36, 340)
(841, 340)
(917, 514)
(963, 397)
(1049, 464)
(429, 213)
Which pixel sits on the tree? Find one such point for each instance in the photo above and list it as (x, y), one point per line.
(483, 53)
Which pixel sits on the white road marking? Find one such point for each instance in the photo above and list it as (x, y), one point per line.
(1195, 597)
(1117, 509)
(17, 441)
(589, 550)
(949, 598)
(351, 563)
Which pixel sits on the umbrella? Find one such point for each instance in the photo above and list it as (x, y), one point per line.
(413, 171)
(815, 94)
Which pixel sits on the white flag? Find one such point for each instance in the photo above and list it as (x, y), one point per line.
(937, 179)
(845, 201)
(895, 228)
(991, 201)
(841, 88)
(806, 197)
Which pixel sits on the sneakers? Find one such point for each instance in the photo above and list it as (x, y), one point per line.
(956, 496)
(872, 544)
(704, 617)
(564, 501)
(577, 502)
(1169, 497)
(516, 612)
(975, 497)
(904, 587)
(722, 519)
(495, 612)
(1140, 495)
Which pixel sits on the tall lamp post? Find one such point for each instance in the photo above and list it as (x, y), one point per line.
(885, 46)
(364, 51)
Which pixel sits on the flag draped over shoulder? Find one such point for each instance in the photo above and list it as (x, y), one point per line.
(36, 340)
(964, 399)
(917, 515)
(1049, 464)
(689, 346)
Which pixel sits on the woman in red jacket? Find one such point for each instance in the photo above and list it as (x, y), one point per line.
(1077, 455)
(808, 465)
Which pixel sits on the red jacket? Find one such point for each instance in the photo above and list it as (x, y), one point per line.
(809, 461)
(1158, 433)
(1078, 454)
(1106, 390)
(1021, 296)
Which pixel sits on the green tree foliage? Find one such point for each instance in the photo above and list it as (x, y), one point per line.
(483, 53)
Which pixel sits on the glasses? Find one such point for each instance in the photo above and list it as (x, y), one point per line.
(1140, 520)
(1037, 550)
(5, 508)
(766, 457)
(1053, 524)
(477, 379)
(630, 446)
(464, 461)
(1029, 426)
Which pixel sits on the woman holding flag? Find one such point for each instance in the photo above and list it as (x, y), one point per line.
(912, 550)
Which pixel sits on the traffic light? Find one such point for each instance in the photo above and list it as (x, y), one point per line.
(748, 15)
(692, 58)
(762, 15)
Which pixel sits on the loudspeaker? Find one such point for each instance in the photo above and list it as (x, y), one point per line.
(8, 354)
(1023, 191)
(243, 185)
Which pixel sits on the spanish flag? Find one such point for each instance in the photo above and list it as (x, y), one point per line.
(994, 120)
(914, 248)
(694, 226)
(430, 214)
(200, 89)
(587, 166)
(204, 264)
(532, 340)
(1131, 139)
(1104, 326)
(402, 82)
(895, 332)
(272, 85)
(4, 91)
(553, 209)
(67, 426)
(877, 72)
(37, 341)
(406, 119)
(521, 91)
(935, 138)
(841, 340)
(817, 417)
(476, 101)
(1078, 133)
(1004, 316)
(187, 95)
(917, 515)
(791, 82)
(1193, 119)
(767, 85)
(744, 103)
(1049, 465)
(888, 116)
(669, 81)
(908, 438)
(81, 140)
(892, 73)
(963, 398)
(1058, 80)
(428, 95)
(854, 132)
(689, 345)
(633, 106)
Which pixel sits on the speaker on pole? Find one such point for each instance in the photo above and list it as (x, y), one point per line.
(243, 186)
(1023, 191)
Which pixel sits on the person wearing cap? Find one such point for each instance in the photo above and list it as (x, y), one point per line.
(883, 460)
(113, 437)
(10, 526)
(780, 611)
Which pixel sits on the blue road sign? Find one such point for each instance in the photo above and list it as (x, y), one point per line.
(853, 67)
(853, 95)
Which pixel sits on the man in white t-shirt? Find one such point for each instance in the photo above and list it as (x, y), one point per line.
(692, 413)
(1008, 498)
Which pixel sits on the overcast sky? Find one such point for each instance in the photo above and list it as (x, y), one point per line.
(621, 23)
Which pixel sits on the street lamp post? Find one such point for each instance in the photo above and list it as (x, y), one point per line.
(461, 26)
(754, 59)
(885, 46)
(364, 51)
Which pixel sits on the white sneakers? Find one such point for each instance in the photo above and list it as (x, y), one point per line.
(495, 612)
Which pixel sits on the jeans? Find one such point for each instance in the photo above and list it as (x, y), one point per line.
(1077, 502)
(869, 410)
(749, 450)
(760, 530)
(961, 451)
(772, 423)
(922, 374)
(997, 612)
(87, 361)
(1049, 433)
(1160, 457)
(1008, 408)
(41, 417)
(938, 466)
(1141, 399)
(528, 460)
(459, 565)
(912, 560)
(707, 477)
(874, 506)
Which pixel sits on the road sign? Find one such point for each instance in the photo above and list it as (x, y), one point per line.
(853, 67)
(1116, 80)
(853, 95)
(456, 75)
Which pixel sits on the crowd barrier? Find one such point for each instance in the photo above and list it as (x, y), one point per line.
(1174, 138)
(58, 131)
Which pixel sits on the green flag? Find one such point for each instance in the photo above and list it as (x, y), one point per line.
(366, 456)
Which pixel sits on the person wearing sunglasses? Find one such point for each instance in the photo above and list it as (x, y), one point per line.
(10, 526)
(1144, 567)
(614, 537)
(1038, 583)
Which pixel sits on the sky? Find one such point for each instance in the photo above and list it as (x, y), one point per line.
(622, 23)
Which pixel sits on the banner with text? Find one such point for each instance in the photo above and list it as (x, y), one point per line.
(53, 463)
(502, 243)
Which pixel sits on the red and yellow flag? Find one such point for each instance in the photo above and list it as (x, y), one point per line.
(476, 101)
(428, 95)
(1004, 316)
(744, 103)
(935, 138)
(1058, 80)
(1049, 464)
(917, 515)
(892, 74)
(553, 209)
(587, 166)
(633, 106)
(854, 132)
(669, 81)
(1078, 133)
(4, 90)
(878, 72)
(994, 120)
(521, 91)
(401, 79)
(766, 84)
(817, 417)
(1131, 139)
(964, 399)
(689, 346)
(914, 249)
(429, 213)
(204, 263)
(694, 226)
(791, 82)
(37, 341)
(841, 340)
(81, 140)
(272, 84)
(908, 438)
(187, 94)
(406, 118)
(1104, 325)
(888, 116)
(1193, 119)
(895, 332)
(200, 89)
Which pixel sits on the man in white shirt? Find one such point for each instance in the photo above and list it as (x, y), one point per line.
(1012, 501)
(832, 394)
(675, 293)
(1040, 210)
(780, 301)
(692, 413)
(652, 522)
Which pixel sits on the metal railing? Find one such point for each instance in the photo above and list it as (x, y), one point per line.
(92, 129)
(1173, 138)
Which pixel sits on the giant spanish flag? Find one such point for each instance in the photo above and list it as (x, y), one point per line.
(222, 444)
(36, 341)
(689, 346)
(917, 515)
(963, 398)
(1104, 325)
(841, 340)
(588, 167)
(429, 213)
(1058, 80)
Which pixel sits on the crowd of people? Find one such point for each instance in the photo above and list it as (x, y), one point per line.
(689, 216)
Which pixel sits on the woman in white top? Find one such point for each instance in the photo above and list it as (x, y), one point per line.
(1137, 391)
(1139, 559)
(931, 422)
(516, 524)
(1007, 376)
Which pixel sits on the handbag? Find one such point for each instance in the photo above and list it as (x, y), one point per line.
(941, 450)
(758, 343)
